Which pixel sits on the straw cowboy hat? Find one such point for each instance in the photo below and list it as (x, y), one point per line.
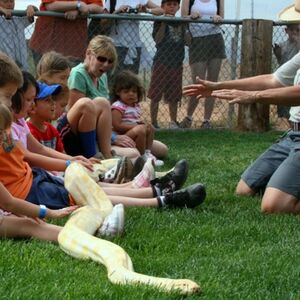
(291, 13)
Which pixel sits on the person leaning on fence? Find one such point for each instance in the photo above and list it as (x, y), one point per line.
(166, 77)
(206, 51)
(284, 52)
(12, 35)
(126, 33)
(277, 170)
(66, 35)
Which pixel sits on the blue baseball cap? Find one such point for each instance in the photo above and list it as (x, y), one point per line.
(46, 90)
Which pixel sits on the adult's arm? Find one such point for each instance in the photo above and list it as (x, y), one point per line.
(185, 8)
(64, 6)
(95, 8)
(204, 88)
(284, 95)
(74, 95)
(154, 8)
(221, 9)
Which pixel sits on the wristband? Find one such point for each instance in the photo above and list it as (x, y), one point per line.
(113, 137)
(68, 162)
(43, 211)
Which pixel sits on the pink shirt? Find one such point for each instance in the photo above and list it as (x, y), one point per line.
(20, 130)
(130, 114)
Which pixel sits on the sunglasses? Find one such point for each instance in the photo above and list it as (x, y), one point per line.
(104, 59)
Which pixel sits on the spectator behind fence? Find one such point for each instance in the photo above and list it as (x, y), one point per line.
(284, 52)
(166, 78)
(126, 34)
(206, 51)
(12, 35)
(66, 35)
(127, 92)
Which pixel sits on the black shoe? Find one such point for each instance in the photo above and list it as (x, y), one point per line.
(173, 180)
(189, 197)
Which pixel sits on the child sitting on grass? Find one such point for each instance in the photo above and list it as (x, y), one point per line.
(43, 111)
(21, 104)
(127, 94)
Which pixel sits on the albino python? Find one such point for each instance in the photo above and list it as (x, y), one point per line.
(77, 240)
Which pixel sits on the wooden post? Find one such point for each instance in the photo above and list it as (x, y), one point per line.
(256, 60)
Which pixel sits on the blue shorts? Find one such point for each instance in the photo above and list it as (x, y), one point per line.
(70, 140)
(48, 190)
(278, 167)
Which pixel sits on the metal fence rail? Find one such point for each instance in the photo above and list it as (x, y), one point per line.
(224, 115)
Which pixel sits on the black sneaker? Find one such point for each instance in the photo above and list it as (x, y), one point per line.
(189, 197)
(173, 180)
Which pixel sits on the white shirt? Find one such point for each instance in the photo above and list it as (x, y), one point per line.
(206, 10)
(288, 75)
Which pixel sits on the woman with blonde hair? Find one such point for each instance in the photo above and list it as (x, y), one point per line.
(84, 127)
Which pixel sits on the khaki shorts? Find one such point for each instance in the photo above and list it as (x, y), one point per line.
(278, 167)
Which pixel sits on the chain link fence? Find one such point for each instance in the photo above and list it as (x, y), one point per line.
(224, 115)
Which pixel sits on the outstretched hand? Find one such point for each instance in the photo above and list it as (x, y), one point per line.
(61, 213)
(236, 96)
(202, 88)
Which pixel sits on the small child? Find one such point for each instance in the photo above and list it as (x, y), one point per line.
(126, 113)
(166, 76)
(13, 41)
(284, 52)
(44, 111)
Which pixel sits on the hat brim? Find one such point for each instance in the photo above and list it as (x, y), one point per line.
(289, 14)
(49, 91)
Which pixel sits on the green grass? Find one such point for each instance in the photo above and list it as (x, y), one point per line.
(226, 245)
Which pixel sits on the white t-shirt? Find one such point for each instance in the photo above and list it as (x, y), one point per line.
(126, 33)
(288, 75)
(206, 10)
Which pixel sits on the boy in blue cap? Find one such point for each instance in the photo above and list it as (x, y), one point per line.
(40, 115)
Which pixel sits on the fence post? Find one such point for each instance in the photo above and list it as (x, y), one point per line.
(256, 59)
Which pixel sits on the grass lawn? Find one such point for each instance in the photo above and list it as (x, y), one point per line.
(226, 245)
